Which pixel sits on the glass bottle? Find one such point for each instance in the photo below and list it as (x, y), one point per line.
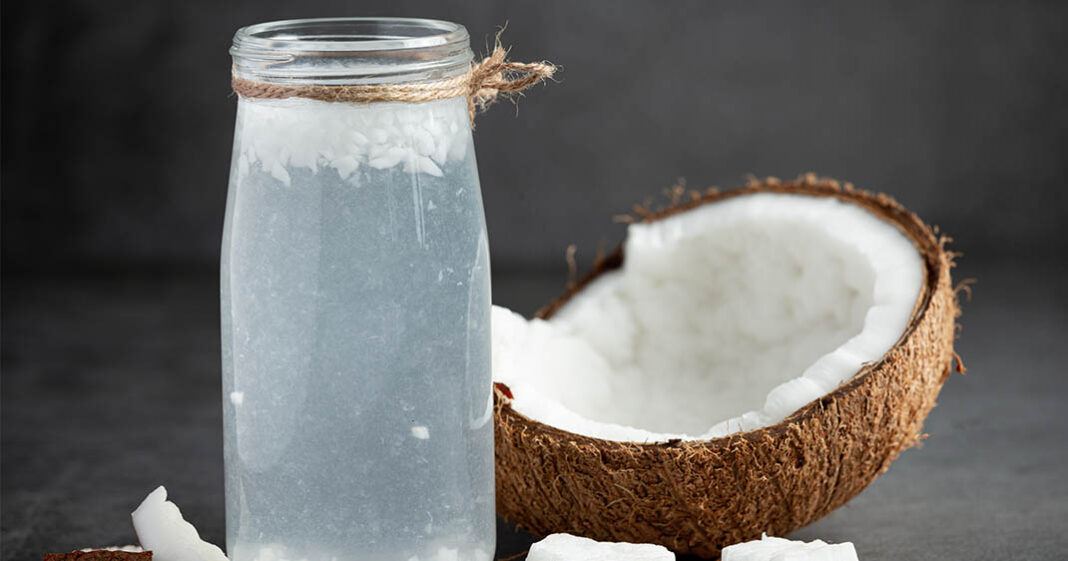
(355, 297)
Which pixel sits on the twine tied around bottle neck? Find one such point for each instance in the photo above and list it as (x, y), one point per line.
(487, 80)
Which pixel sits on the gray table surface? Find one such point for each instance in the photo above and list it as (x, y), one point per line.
(110, 387)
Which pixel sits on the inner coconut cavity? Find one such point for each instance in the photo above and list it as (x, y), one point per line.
(724, 318)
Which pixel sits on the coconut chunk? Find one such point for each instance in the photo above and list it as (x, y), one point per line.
(161, 529)
(565, 547)
(769, 548)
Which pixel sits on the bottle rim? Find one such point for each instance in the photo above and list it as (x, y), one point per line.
(351, 50)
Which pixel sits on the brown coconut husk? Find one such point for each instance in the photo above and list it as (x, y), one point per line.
(696, 497)
(100, 555)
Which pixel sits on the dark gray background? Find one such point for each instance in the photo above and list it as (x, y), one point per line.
(116, 130)
(118, 117)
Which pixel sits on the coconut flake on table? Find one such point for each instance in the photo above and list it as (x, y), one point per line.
(725, 318)
(780, 549)
(161, 529)
(566, 547)
(282, 134)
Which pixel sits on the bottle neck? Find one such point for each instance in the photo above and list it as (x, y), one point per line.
(351, 51)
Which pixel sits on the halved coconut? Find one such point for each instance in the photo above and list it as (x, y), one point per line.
(746, 362)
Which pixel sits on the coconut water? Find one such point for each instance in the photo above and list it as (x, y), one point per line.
(355, 319)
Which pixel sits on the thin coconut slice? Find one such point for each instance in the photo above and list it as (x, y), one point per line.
(162, 530)
(565, 547)
(747, 361)
(781, 549)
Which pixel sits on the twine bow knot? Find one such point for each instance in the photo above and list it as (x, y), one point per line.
(495, 75)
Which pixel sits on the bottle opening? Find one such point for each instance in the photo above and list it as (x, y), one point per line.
(337, 51)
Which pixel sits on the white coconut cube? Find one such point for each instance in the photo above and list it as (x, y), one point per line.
(780, 549)
(565, 547)
(161, 529)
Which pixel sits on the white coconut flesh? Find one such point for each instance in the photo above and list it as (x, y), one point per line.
(162, 530)
(781, 549)
(566, 547)
(723, 318)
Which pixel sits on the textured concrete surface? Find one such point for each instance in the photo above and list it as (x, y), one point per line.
(111, 386)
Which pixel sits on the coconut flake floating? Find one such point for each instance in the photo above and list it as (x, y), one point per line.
(780, 549)
(565, 547)
(745, 362)
(419, 138)
(162, 530)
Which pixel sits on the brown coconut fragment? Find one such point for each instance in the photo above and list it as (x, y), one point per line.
(696, 497)
(100, 555)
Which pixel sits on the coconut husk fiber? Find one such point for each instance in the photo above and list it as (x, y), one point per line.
(696, 497)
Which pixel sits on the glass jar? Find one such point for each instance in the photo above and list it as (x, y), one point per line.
(355, 304)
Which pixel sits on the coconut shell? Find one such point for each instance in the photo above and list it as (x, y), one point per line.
(100, 555)
(696, 497)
